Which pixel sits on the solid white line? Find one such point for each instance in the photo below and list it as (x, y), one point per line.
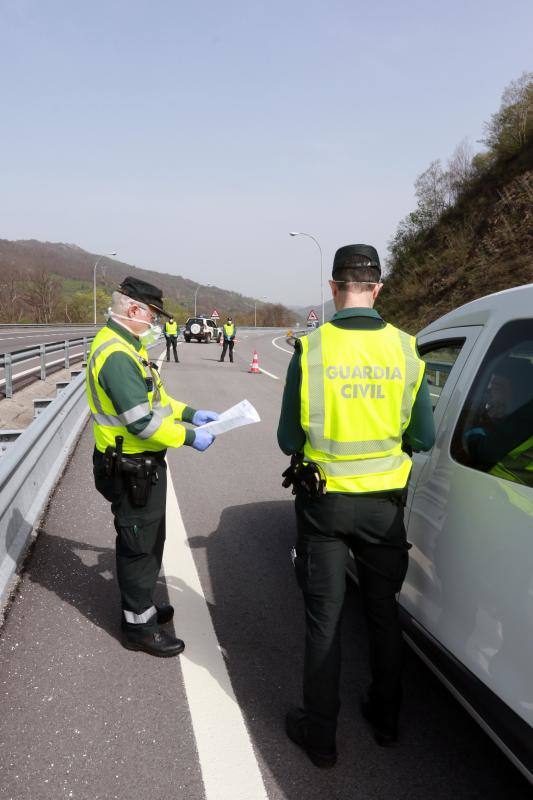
(282, 348)
(227, 761)
(269, 374)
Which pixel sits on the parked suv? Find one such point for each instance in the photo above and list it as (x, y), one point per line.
(202, 329)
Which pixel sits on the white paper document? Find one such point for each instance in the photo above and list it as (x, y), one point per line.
(241, 414)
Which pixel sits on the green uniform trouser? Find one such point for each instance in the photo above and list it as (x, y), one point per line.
(140, 537)
(372, 528)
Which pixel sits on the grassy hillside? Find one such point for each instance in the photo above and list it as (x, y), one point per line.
(472, 231)
(53, 282)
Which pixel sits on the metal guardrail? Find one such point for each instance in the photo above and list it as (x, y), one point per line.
(28, 353)
(29, 470)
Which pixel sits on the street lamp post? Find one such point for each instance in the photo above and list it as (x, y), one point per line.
(255, 310)
(94, 280)
(196, 294)
(300, 233)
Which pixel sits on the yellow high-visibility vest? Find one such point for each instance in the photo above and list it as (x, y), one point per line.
(229, 330)
(357, 393)
(161, 431)
(517, 466)
(171, 328)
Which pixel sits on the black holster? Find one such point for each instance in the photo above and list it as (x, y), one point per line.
(304, 475)
(137, 473)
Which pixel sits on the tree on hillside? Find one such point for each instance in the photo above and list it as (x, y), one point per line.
(432, 193)
(41, 294)
(460, 169)
(10, 301)
(512, 126)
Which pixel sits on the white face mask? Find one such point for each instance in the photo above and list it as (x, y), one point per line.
(151, 335)
(148, 337)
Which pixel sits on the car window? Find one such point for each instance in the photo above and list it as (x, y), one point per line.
(439, 362)
(210, 323)
(495, 430)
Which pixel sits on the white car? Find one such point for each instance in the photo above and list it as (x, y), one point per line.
(467, 601)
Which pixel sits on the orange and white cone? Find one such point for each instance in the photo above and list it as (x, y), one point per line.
(254, 367)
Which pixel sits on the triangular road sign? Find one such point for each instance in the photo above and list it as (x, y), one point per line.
(312, 317)
(215, 314)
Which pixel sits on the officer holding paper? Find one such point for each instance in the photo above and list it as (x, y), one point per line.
(355, 401)
(134, 422)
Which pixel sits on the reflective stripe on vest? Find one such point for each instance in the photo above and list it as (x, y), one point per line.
(357, 392)
(107, 423)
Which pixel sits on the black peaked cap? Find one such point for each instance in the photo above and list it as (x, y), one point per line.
(349, 251)
(143, 292)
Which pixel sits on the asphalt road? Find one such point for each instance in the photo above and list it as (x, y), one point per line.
(13, 339)
(18, 338)
(83, 718)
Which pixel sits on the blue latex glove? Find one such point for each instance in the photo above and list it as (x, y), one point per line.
(202, 440)
(201, 417)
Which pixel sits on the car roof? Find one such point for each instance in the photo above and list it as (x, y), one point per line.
(512, 303)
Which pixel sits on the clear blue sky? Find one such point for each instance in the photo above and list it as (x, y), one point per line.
(191, 137)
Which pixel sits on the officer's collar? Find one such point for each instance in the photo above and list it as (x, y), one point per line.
(127, 335)
(362, 311)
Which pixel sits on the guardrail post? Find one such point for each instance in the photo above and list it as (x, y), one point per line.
(42, 354)
(84, 348)
(67, 354)
(8, 374)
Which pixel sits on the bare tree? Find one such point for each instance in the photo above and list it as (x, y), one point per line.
(432, 193)
(460, 168)
(10, 301)
(42, 294)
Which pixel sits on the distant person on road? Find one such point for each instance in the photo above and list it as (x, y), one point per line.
(171, 335)
(128, 403)
(229, 339)
(355, 400)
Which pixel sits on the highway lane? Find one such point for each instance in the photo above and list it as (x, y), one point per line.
(12, 339)
(83, 716)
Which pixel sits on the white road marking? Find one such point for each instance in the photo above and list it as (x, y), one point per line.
(229, 767)
(282, 348)
(269, 374)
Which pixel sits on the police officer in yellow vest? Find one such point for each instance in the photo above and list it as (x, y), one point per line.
(171, 336)
(229, 339)
(355, 400)
(134, 423)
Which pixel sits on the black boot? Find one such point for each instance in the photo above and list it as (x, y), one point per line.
(385, 724)
(156, 642)
(297, 729)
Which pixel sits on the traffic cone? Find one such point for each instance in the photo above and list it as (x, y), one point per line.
(255, 363)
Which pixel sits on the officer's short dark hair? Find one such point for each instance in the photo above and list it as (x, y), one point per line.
(356, 263)
(357, 274)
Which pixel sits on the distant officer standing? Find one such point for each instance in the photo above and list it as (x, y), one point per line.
(229, 339)
(134, 423)
(171, 335)
(355, 398)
